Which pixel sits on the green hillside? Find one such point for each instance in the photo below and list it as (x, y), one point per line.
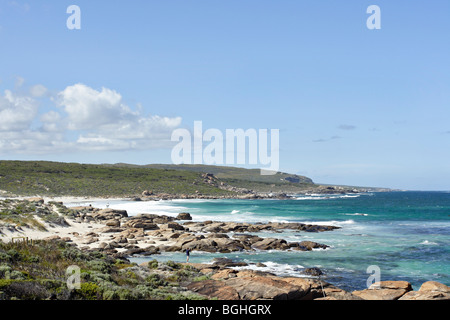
(57, 179)
(223, 172)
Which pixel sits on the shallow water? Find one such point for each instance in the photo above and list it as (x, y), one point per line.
(405, 234)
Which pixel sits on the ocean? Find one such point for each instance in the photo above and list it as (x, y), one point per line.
(404, 234)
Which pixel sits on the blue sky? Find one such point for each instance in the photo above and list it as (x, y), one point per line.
(354, 106)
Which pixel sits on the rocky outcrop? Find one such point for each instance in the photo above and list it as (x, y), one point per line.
(36, 200)
(184, 216)
(224, 244)
(214, 289)
(232, 284)
(225, 227)
(121, 236)
(147, 221)
(109, 214)
(229, 284)
(126, 234)
(385, 290)
(271, 243)
(430, 290)
(402, 290)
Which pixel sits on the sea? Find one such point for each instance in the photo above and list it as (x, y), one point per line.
(382, 236)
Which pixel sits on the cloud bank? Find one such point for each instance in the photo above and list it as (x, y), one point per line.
(78, 118)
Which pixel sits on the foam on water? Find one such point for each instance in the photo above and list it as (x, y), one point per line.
(161, 207)
(334, 223)
(405, 234)
(315, 196)
(280, 269)
(429, 243)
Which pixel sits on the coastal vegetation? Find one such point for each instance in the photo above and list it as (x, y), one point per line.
(102, 180)
(44, 178)
(62, 179)
(39, 271)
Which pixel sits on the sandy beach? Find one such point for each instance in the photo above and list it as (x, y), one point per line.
(77, 231)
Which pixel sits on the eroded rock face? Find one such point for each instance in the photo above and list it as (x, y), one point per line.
(214, 289)
(385, 290)
(430, 290)
(229, 284)
(232, 284)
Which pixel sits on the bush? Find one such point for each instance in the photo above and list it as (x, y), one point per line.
(4, 256)
(97, 277)
(114, 292)
(153, 264)
(201, 278)
(99, 265)
(33, 259)
(88, 291)
(73, 254)
(110, 294)
(155, 281)
(5, 271)
(17, 275)
(14, 255)
(173, 264)
(27, 290)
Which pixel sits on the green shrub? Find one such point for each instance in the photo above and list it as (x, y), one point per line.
(88, 291)
(4, 256)
(33, 259)
(201, 278)
(153, 264)
(173, 264)
(24, 289)
(155, 281)
(99, 265)
(73, 254)
(110, 294)
(125, 294)
(5, 282)
(14, 254)
(51, 284)
(98, 277)
(5, 271)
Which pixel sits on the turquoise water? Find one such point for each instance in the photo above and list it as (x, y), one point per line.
(405, 234)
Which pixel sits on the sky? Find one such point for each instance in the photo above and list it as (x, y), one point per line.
(353, 105)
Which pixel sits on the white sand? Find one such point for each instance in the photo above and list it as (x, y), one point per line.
(70, 231)
(77, 232)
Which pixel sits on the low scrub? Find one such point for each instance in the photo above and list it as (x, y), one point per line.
(38, 272)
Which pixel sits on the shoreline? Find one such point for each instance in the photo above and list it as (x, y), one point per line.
(246, 194)
(162, 231)
(120, 236)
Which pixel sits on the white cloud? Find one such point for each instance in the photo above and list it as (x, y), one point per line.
(110, 123)
(88, 108)
(95, 120)
(19, 82)
(33, 142)
(51, 121)
(38, 90)
(16, 112)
